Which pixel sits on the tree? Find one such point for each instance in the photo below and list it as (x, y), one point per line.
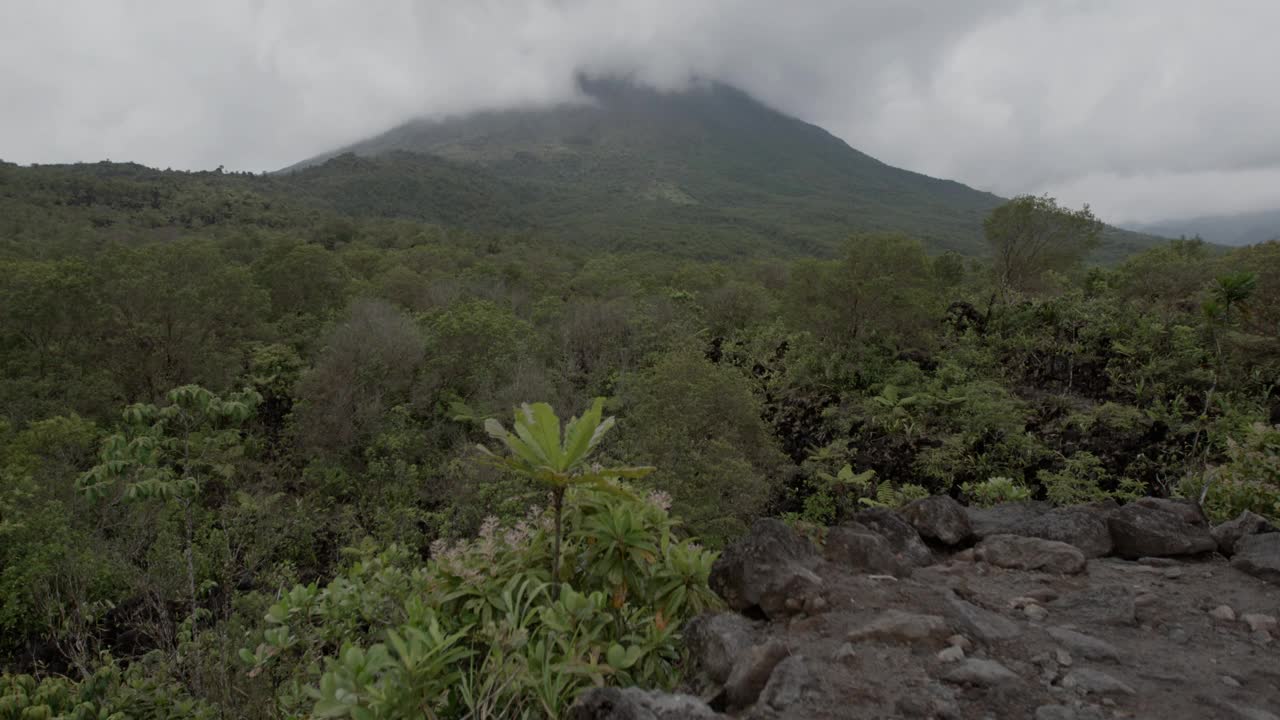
(537, 450)
(171, 454)
(1031, 235)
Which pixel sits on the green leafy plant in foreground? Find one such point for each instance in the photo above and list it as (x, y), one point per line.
(480, 630)
(538, 451)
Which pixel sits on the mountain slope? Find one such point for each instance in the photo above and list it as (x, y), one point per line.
(1235, 230)
(708, 171)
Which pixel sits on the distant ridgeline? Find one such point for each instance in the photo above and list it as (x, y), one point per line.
(705, 173)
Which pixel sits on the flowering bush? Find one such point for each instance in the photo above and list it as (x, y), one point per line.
(476, 632)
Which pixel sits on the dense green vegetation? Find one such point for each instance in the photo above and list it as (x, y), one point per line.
(238, 430)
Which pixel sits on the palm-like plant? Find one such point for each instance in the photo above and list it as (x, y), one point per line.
(537, 449)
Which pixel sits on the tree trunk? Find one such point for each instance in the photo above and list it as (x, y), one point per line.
(191, 585)
(557, 496)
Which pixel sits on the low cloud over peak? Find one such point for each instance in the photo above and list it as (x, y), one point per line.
(1144, 108)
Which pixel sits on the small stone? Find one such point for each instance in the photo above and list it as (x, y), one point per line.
(1063, 657)
(1108, 702)
(1173, 573)
(845, 653)
(1055, 712)
(1145, 599)
(1179, 636)
(1085, 646)
(1043, 595)
(815, 604)
(1258, 622)
(961, 642)
(1223, 613)
(904, 627)
(1261, 637)
(1230, 681)
(1095, 681)
(951, 653)
(1035, 613)
(980, 672)
(793, 603)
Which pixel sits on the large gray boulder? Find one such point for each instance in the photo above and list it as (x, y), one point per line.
(939, 518)
(1229, 533)
(1031, 553)
(1185, 509)
(768, 572)
(716, 642)
(611, 703)
(1083, 526)
(1005, 518)
(1139, 530)
(901, 535)
(859, 549)
(1259, 555)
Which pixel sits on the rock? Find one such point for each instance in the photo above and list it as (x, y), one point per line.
(1031, 553)
(717, 640)
(950, 653)
(1063, 657)
(1083, 526)
(939, 518)
(980, 672)
(1100, 605)
(1223, 613)
(961, 642)
(978, 622)
(1229, 533)
(1140, 530)
(862, 550)
(1085, 646)
(902, 535)
(1035, 613)
(1005, 518)
(792, 681)
(759, 573)
(1258, 622)
(1185, 509)
(933, 701)
(751, 673)
(902, 627)
(1230, 681)
(1259, 556)
(1096, 682)
(611, 703)
(1055, 712)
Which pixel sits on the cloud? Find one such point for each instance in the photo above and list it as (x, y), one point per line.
(1145, 108)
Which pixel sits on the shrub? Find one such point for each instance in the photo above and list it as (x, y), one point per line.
(1249, 480)
(476, 631)
(996, 490)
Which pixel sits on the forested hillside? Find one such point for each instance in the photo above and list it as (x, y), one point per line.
(708, 172)
(239, 420)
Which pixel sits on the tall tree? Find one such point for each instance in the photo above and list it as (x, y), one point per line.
(1031, 235)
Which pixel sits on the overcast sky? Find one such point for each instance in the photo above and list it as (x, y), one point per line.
(1144, 108)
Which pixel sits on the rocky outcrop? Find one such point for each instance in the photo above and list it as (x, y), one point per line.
(1019, 626)
(1259, 555)
(1229, 533)
(860, 550)
(902, 536)
(769, 572)
(1082, 526)
(1030, 553)
(939, 518)
(1145, 530)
